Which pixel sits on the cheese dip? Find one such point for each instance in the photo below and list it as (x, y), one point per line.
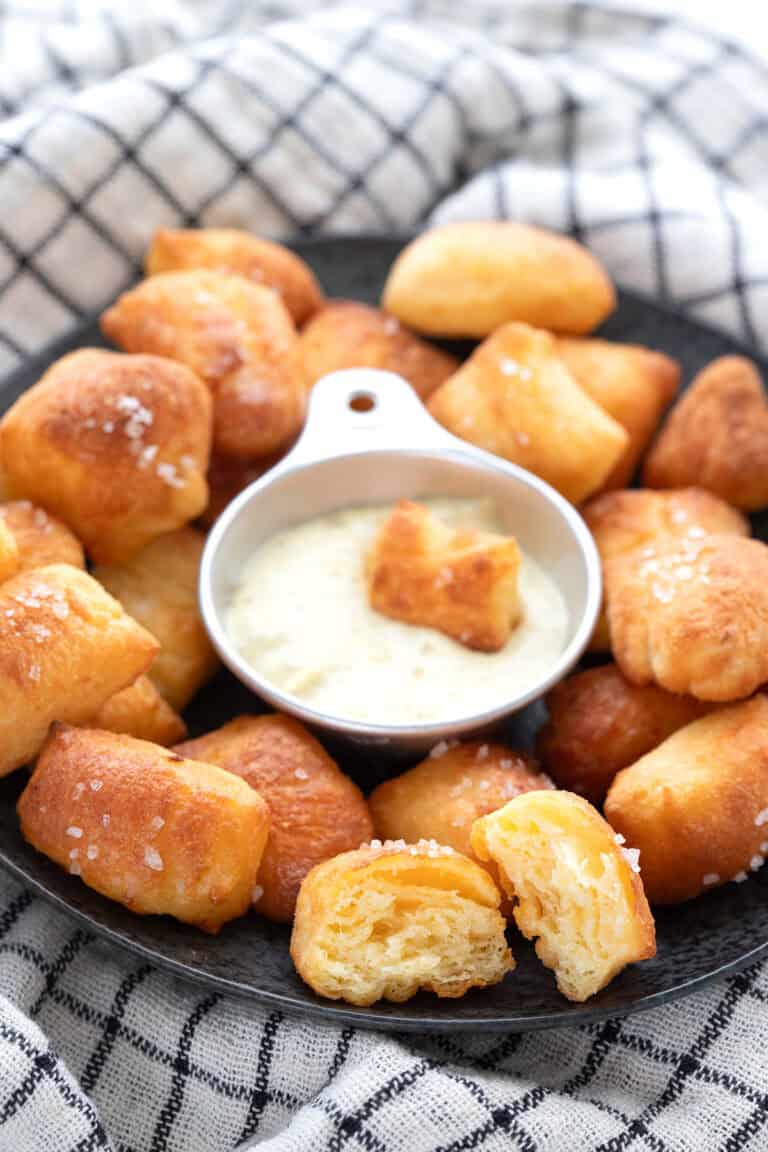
(300, 617)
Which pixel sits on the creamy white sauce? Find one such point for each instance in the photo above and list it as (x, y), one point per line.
(300, 617)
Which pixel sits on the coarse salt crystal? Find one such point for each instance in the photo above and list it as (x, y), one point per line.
(710, 878)
(756, 863)
(105, 820)
(482, 752)
(153, 859)
(96, 785)
(761, 818)
(169, 475)
(79, 789)
(60, 609)
(505, 763)
(156, 823)
(108, 426)
(440, 749)
(740, 877)
(92, 851)
(632, 857)
(74, 868)
(257, 894)
(620, 839)
(147, 455)
(764, 847)
(484, 784)
(74, 853)
(74, 831)
(300, 774)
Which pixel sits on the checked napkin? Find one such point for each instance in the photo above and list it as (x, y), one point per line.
(644, 137)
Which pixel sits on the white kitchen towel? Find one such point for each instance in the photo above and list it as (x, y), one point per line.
(645, 137)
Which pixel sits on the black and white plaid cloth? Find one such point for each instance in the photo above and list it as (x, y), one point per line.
(646, 138)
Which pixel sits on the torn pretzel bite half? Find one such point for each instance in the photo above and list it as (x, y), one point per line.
(578, 893)
(388, 920)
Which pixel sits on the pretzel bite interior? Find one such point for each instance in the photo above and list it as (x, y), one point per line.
(462, 583)
(578, 894)
(143, 826)
(388, 920)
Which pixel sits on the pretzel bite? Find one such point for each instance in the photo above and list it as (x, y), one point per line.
(41, 539)
(230, 250)
(10, 560)
(140, 711)
(391, 919)
(158, 587)
(65, 648)
(116, 446)
(577, 892)
(515, 398)
(227, 477)
(632, 384)
(696, 807)
(468, 278)
(157, 833)
(716, 436)
(237, 336)
(347, 334)
(693, 617)
(599, 723)
(462, 583)
(441, 797)
(631, 521)
(315, 810)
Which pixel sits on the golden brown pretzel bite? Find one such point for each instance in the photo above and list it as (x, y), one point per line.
(231, 250)
(143, 826)
(631, 383)
(237, 336)
(599, 723)
(158, 586)
(462, 583)
(140, 711)
(315, 810)
(468, 278)
(117, 446)
(578, 893)
(692, 616)
(716, 436)
(347, 334)
(390, 919)
(440, 798)
(697, 806)
(628, 521)
(41, 539)
(65, 648)
(514, 397)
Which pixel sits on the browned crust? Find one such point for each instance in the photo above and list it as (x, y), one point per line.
(717, 436)
(315, 810)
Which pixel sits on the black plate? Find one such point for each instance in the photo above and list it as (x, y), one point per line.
(697, 942)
